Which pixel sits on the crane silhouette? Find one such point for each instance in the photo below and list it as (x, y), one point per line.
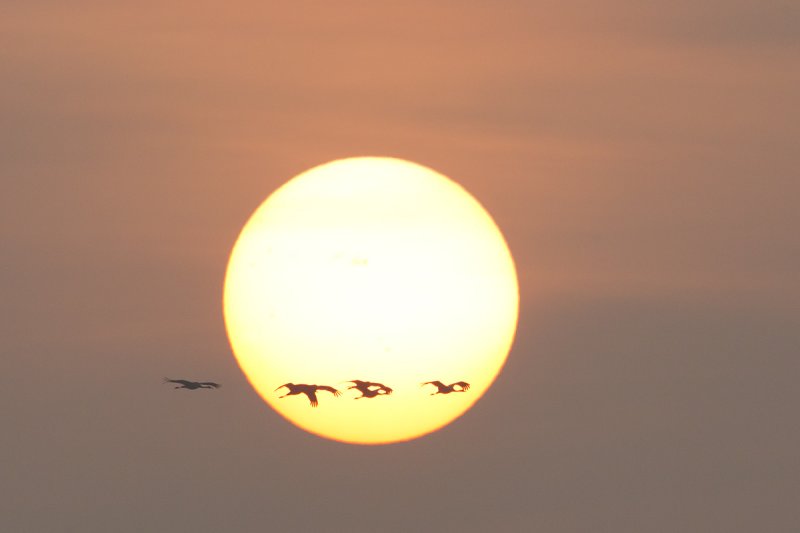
(308, 390)
(369, 389)
(458, 386)
(371, 393)
(193, 385)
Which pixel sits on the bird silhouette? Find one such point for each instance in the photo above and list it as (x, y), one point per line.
(369, 389)
(193, 385)
(458, 386)
(308, 390)
(371, 393)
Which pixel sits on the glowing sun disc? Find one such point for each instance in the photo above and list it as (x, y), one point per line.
(375, 269)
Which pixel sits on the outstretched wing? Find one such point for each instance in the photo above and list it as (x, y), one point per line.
(181, 381)
(463, 384)
(329, 389)
(211, 384)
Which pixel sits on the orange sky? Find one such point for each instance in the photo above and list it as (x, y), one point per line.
(640, 157)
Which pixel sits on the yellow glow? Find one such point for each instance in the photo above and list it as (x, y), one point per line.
(375, 269)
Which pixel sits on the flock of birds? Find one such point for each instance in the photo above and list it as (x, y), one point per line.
(368, 389)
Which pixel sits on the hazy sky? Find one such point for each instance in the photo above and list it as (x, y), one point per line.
(641, 158)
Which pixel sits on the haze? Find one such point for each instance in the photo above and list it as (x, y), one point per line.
(640, 157)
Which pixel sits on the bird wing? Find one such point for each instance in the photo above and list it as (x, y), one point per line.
(312, 396)
(437, 384)
(211, 384)
(329, 389)
(463, 384)
(181, 381)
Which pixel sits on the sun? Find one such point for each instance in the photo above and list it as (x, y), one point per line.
(374, 269)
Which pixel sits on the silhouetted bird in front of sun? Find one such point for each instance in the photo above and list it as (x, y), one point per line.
(193, 385)
(308, 390)
(458, 386)
(372, 393)
(369, 389)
